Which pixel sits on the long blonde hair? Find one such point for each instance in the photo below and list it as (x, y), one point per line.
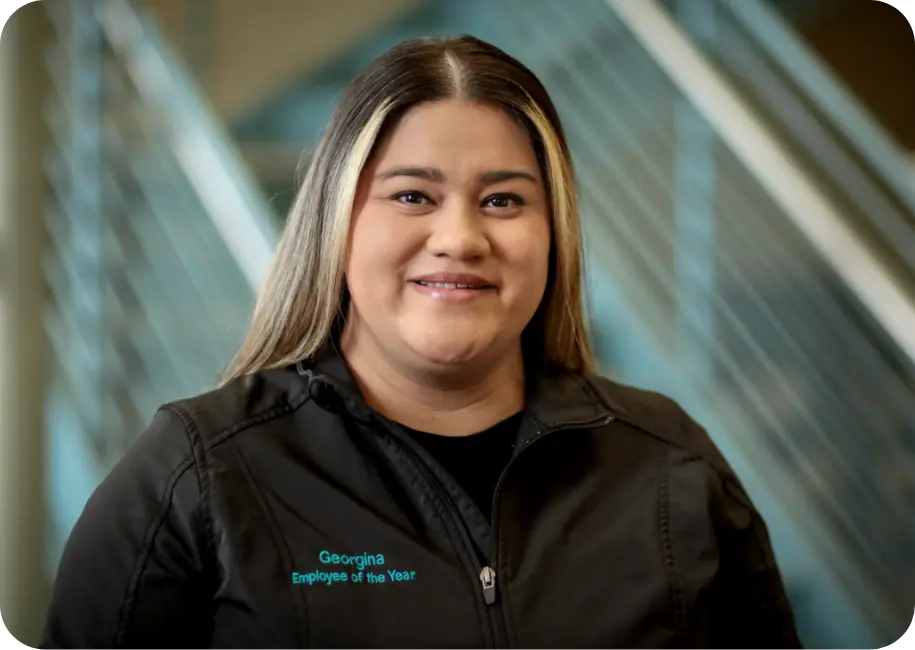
(304, 297)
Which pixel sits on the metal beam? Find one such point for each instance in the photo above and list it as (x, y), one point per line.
(24, 585)
(789, 185)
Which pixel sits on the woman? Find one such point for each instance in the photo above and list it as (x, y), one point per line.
(411, 448)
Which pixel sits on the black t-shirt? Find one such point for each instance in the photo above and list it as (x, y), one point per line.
(476, 461)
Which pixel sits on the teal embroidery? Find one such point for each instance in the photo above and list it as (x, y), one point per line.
(338, 565)
(360, 561)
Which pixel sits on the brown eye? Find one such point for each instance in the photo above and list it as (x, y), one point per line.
(503, 201)
(411, 197)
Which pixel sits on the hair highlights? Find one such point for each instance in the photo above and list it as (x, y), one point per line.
(303, 299)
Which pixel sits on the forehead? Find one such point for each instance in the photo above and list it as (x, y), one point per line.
(458, 136)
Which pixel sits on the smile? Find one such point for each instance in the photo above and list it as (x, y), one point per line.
(451, 285)
(454, 293)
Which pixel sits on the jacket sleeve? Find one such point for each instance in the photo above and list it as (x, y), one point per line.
(751, 607)
(134, 569)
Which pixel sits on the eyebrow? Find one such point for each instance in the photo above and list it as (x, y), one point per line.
(436, 176)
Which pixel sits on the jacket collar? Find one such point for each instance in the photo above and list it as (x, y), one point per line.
(560, 399)
(555, 399)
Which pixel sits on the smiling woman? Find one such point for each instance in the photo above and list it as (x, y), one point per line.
(417, 381)
(448, 260)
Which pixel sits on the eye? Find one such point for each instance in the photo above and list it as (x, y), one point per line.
(503, 201)
(412, 197)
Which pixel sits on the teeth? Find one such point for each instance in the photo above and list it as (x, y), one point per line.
(447, 285)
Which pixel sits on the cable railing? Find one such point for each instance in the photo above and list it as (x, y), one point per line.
(160, 237)
(204, 153)
(839, 146)
(796, 61)
(741, 297)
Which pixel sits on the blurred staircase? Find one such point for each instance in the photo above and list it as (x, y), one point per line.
(771, 294)
(159, 237)
(243, 53)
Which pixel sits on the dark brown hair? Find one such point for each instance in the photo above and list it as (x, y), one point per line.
(304, 296)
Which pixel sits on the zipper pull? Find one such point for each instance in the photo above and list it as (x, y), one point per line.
(488, 580)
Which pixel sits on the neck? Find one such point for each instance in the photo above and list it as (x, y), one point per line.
(456, 401)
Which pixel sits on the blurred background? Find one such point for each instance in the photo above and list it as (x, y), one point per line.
(747, 172)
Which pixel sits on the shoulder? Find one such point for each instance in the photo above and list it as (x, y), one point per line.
(659, 416)
(170, 452)
(239, 404)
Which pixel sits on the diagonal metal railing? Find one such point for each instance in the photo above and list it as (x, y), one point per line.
(160, 236)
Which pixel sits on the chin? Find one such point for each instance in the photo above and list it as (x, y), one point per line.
(446, 355)
(443, 351)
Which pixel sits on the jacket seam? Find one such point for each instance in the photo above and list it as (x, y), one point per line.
(622, 415)
(725, 474)
(298, 595)
(130, 597)
(675, 590)
(259, 418)
(731, 485)
(203, 477)
(766, 559)
(661, 437)
(200, 447)
(595, 394)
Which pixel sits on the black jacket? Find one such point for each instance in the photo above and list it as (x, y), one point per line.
(281, 511)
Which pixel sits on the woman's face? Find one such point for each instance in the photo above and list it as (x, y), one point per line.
(450, 242)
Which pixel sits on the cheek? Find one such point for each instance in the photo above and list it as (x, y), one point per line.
(377, 250)
(360, 260)
(529, 255)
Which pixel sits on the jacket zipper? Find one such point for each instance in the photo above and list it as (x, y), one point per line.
(488, 580)
(452, 506)
(488, 575)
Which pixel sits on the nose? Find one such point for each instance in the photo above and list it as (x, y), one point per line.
(458, 231)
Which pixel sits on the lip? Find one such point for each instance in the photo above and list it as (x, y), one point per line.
(481, 287)
(470, 279)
